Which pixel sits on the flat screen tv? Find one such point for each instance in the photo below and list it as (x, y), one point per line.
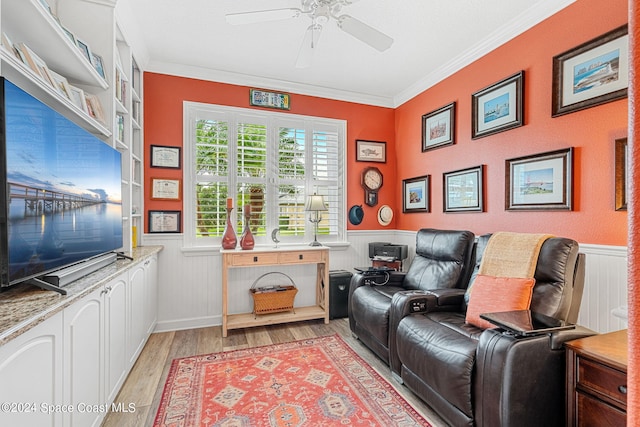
(60, 195)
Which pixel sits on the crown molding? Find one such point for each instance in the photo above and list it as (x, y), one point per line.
(266, 83)
(517, 26)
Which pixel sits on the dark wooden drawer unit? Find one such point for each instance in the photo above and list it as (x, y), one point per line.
(597, 380)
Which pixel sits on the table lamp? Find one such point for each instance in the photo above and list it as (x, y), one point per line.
(315, 204)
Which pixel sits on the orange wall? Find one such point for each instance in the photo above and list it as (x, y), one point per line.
(592, 132)
(163, 97)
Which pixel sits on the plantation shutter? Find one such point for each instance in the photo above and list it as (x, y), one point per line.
(270, 161)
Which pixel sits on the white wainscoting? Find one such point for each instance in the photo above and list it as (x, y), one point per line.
(190, 289)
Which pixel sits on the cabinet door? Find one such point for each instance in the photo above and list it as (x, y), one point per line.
(151, 299)
(84, 359)
(116, 366)
(31, 376)
(137, 332)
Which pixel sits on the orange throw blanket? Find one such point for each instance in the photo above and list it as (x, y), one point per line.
(512, 254)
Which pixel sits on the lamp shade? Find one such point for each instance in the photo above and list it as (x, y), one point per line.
(315, 203)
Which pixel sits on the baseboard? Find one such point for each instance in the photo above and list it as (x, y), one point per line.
(191, 323)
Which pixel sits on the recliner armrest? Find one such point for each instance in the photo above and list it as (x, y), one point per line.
(521, 367)
(396, 278)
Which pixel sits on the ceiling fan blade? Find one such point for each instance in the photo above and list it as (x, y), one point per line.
(261, 16)
(365, 33)
(308, 46)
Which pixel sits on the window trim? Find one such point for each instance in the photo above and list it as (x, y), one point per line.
(190, 112)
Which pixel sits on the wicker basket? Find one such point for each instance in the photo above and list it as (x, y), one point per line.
(273, 299)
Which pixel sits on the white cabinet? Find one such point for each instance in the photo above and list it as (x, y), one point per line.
(151, 287)
(52, 36)
(143, 304)
(116, 335)
(136, 328)
(67, 370)
(84, 332)
(31, 376)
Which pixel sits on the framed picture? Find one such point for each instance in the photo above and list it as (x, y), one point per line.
(416, 194)
(371, 151)
(498, 107)
(69, 34)
(463, 190)
(591, 74)
(165, 189)
(438, 127)
(261, 98)
(164, 221)
(61, 84)
(94, 107)
(621, 171)
(165, 157)
(84, 48)
(37, 65)
(76, 95)
(540, 182)
(98, 64)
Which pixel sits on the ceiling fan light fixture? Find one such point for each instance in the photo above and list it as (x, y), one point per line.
(364, 33)
(262, 16)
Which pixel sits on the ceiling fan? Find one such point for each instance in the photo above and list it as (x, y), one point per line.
(320, 12)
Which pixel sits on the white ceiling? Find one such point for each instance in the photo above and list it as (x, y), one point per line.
(432, 39)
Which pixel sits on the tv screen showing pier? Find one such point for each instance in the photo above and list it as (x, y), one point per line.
(63, 202)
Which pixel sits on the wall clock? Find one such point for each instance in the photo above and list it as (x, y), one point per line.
(371, 182)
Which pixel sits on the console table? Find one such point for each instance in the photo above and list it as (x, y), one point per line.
(235, 258)
(597, 380)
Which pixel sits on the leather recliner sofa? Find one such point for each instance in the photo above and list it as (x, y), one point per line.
(489, 377)
(443, 260)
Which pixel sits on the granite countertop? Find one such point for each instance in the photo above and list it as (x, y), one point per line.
(22, 307)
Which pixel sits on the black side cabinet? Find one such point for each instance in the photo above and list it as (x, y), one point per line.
(339, 293)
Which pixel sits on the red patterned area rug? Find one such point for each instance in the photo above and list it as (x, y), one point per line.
(314, 382)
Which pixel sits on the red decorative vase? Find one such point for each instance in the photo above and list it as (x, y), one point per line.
(246, 240)
(229, 239)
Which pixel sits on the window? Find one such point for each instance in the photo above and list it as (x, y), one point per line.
(270, 161)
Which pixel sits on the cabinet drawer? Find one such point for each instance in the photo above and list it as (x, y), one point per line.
(254, 259)
(594, 412)
(602, 380)
(300, 257)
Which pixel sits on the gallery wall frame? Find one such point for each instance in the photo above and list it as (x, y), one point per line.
(163, 156)
(621, 171)
(438, 127)
(463, 190)
(165, 189)
(498, 107)
(416, 194)
(541, 181)
(371, 151)
(593, 73)
(165, 221)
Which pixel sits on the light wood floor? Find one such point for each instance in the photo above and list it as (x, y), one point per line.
(145, 383)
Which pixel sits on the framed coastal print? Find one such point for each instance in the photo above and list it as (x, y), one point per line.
(591, 74)
(371, 151)
(438, 127)
(498, 107)
(165, 189)
(165, 157)
(621, 171)
(416, 194)
(540, 182)
(463, 190)
(164, 221)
